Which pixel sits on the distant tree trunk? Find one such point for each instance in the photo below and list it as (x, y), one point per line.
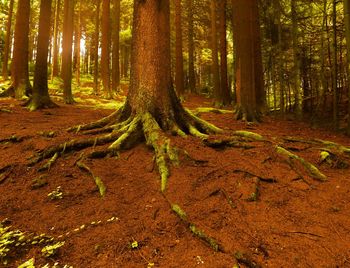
(179, 70)
(296, 74)
(335, 69)
(40, 98)
(56, 45)
(223, 95)
(96, 45)
(347, 35)
(77, 46)
(20, 75)
(248, 68)
(191, 71)
(105, 44)
(7, 42)
(116, 47)
(67, 42)
(214, 49)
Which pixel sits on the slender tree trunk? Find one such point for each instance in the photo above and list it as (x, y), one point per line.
(179, 71)
(96, 46)
(55, 61)
(347, 36)
(335, 68)
(105, 44)
(115, 48)
(223, 98)
(7, 42)
(191, 71)
(40, 98)
(68, 26)
(77, 46)
(20, 74)
(214, 50)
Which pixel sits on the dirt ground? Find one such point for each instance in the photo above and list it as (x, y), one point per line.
(250, 200)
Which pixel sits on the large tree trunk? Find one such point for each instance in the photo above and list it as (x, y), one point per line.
(20, 75)
(40, 98)
(7, 42)
(68, 26)
(179, 72)
(55, 64)
(115, 48)
(77, 48)
(248, 67)
(105, 44)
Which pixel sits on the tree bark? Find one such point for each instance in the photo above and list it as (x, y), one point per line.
(96, 45)
(179, 71)
(191, 71)
(77, 48)
(20, 75)
(223, 95)
(7, 42)
(335, 69)
(214, 50)
(347, 36)
(105, 44)
(67, 42)
(55, 61)
(248, 67)
(116, 47)
(40, 98)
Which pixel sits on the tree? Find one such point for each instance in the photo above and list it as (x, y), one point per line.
(7, 42)
(41, 98)
(151, 107)
(105, 44)
(55, 64)
(191, 71)
(179, 72)
(116, 46)
(222, 96)
(347, 35)
(67, 51)
(20, 77)
(96, 45)
(214, 50)
(248, 67)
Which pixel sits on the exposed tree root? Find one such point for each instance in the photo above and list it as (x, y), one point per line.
(310, 168)
(49, 163)
(14, 139)
(268, 180)
(6, 111)
(195, 230)
(37, 103)
(245, 259)
(99, 183)
(5, 173)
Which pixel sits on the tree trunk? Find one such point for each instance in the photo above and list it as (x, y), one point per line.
(191, 71)
(248, 67)
(105, 44)
(67, 42)
(20, 75)
(179, 71)
(214, 50)
(40, 98)
(7, 42)
(96, 45)
(56, 43)
(115, 48)
(223, 95)
(347, 35)
(77, 46)
(335, 69)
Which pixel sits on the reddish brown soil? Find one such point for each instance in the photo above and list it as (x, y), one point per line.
(294, 222)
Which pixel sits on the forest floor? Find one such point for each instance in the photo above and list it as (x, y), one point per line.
(251, 200)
